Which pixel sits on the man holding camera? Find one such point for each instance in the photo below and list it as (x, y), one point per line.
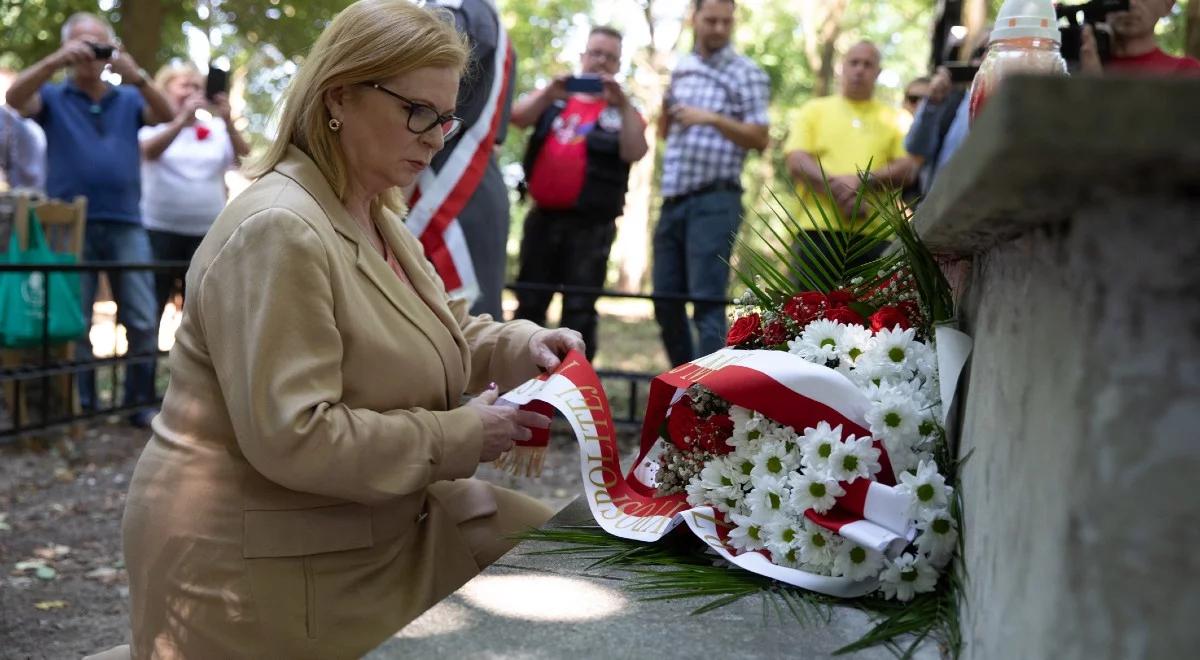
(92, 150)
(1134, 47)
(586, 134)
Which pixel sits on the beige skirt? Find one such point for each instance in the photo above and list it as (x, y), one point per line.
(203, 595)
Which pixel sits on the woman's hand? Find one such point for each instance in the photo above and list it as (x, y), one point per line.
(503, 425)
(547, 347)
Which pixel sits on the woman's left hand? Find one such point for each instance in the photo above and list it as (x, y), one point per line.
(548, 346)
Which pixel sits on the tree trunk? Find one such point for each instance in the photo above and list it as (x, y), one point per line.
(631, 249)
(1191, 45)
(822, 25)
(140, 29)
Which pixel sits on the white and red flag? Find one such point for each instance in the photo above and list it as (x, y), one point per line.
(440, 196)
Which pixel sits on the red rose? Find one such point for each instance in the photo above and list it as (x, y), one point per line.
(813, 298)
(804, 308)
(844, 315)
(713, 432)
(911, 309)
(774, 334)
(840, 298)
(681, 424)
(743, 330)
(202, 132)
(889, 317)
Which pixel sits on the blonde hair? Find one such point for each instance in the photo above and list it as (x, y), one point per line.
(172, 70)
(369, 40)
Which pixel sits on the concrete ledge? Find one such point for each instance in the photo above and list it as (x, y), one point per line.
(1078, 203)
(1046, 146)
(548, 606)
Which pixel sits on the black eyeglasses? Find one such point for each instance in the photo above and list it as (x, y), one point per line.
(421, 117)
(601, 55)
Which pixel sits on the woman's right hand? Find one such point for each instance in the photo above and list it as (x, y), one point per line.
(503, 425)
(187, 110)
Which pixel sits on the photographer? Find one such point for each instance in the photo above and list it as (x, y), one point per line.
(92, 150)
(586, 134)
(1134, 47)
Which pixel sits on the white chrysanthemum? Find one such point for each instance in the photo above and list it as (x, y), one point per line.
(775, 458)
(817, 493)
(818, 342)
(748, 532)
(817, 548)
(715, 482)
(868, 371)
(893, 415)
(744, 421)
(927, 426)
(854, 458)
(854, 343)
(783, 536)
(924, 359)
(856, 562)
(817, 445)
(778, 434)
(907, 576)
(893, 351)
(926, 488)
(938, 536)
(741, 466)
(732, 505)
(769, 499)
(901, 455)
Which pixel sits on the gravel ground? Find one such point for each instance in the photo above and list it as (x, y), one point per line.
(63, 588)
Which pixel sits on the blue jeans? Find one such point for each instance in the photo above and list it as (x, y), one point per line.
(692, 245)
(133, 291)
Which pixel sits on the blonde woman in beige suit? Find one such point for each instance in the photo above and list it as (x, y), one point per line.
(307, 488)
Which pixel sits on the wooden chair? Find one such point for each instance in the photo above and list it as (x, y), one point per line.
(63, 224)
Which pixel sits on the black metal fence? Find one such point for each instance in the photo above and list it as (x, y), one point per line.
(29, 373)
(30, 381)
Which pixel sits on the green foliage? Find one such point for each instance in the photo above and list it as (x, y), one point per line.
(678, 568)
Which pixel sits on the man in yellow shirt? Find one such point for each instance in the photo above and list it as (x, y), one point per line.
(843, 134)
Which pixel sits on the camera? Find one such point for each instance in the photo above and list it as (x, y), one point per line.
(1093, 13)
(101, 51)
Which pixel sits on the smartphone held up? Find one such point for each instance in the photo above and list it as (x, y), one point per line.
(585, 83)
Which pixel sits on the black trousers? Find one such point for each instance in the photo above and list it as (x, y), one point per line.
(169, 246)
(563, 247)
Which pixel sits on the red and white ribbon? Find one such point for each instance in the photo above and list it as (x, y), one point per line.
(784, 388)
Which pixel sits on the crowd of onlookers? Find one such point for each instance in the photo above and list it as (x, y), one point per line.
(150, 155)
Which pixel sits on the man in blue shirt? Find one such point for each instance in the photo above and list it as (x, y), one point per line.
(92, 150)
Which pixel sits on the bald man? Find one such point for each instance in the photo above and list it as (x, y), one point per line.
(843, 134)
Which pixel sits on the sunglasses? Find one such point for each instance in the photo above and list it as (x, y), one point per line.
(422, 117)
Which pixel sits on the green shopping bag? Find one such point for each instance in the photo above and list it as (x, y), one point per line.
(23, 295)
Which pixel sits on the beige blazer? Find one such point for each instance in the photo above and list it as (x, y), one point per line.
(297, 498)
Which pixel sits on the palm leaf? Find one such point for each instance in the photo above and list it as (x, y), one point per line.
(679, 570)
(785, 256)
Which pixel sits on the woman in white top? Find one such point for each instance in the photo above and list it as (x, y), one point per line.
(183, 169)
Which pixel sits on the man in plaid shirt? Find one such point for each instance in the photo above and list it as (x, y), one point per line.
(715, 110)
